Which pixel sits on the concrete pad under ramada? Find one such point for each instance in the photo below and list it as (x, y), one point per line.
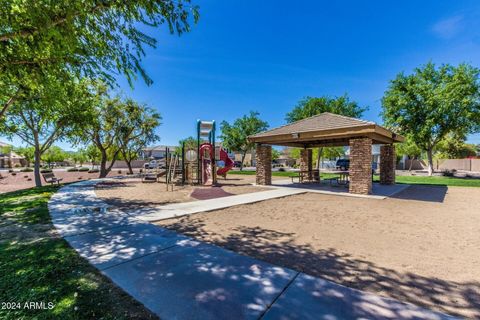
(178, 278)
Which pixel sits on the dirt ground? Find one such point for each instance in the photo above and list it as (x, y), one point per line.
(422, 246)
(25, 180)
(132, 193)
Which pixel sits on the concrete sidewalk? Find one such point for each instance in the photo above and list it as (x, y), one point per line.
(179, 278)
(186, 208)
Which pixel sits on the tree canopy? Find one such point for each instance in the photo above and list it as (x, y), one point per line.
(235, 135)
(138, 129)
(311, 106)
(52, 112)
(433, 102)
(97, 39)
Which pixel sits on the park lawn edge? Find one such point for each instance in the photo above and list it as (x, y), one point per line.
(422, 180)
(37, 265)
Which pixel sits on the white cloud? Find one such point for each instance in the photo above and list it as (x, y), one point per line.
(448, 28)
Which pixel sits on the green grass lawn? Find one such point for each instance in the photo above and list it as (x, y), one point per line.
(440, 181)
(36, 265)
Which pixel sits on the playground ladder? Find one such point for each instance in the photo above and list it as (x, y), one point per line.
(171, 171)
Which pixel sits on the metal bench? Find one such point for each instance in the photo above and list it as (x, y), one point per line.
(49, 177)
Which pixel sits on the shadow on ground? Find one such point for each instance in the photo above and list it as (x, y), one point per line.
(423, 193)
(459, 299)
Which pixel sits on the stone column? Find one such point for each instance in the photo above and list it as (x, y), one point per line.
(360, 166)
(306, 161)
(387, 164)
(263, 157)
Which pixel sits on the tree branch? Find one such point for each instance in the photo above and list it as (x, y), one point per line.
(7, 104)
(58, 21)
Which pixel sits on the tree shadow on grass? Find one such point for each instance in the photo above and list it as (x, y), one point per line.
(455, 298)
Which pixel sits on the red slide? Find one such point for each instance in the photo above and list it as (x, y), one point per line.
(228, 163)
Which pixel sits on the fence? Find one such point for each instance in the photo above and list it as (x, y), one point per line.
(443, 164)
(121, 164)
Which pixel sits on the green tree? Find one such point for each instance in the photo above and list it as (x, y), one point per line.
(7, 151)
(93, 154)
(312, 106)
(410, 149)
(104, 130)
(275, 154)
(54, 154)
(190, 143)
(98, 39)
(79, 156)
(432, 103)
(137, 130)
(51, 113)
(27, 152)
(453, 147)
(235, 135)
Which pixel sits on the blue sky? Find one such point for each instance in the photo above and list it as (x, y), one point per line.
(267, 55)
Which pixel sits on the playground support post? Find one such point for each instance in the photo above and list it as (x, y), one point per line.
(199, 177)
(183, 163)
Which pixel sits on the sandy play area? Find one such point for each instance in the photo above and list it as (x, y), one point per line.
(133, 193)
(423, 246)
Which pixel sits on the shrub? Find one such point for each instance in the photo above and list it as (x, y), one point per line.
(93, 171)
(26, 170)
(83, 169)
(72, 169)
(45, 170)
(449, 173)
(17, 165)
(10, 170)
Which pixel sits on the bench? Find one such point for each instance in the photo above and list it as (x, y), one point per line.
(49, 177)
(153, 176)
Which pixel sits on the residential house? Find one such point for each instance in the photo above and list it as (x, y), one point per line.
(8, 158)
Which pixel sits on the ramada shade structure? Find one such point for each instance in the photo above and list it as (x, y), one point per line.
(331, 130)
(325, 130)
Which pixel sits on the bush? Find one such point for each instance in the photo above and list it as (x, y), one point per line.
(83, 169)
(281, 169)
(449, 173)
(72, 169)
(26, 170)
(93, 171)
(45, 170)
(17, 165)
(10, 170)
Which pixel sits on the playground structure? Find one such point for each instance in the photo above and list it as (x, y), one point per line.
(208, 156)
(201, 165)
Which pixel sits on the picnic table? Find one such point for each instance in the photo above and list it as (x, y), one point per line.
(343, 178)
(307, 176)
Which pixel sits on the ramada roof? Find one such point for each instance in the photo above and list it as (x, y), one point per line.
(325, 129)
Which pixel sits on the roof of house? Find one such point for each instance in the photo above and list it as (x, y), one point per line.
(325, 129)
(159, 148)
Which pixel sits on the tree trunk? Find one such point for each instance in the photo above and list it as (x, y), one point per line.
(319, 157)
(103, 165)
(129, 165)
(430, 162)
(36, 170)
(243, 159)
(411, 164)
(128, 160)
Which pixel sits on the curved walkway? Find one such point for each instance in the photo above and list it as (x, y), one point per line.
(179, 278)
